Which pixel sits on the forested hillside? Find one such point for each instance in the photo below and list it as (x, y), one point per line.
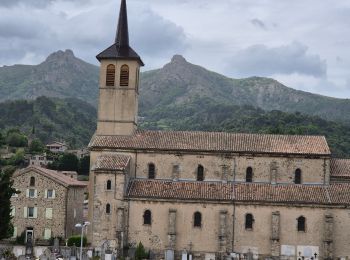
(50, 119)
(206, 115)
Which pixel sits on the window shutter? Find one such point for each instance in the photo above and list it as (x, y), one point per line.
(53, 194)
(13, 211)
(27, 193)
(25, 212)
(48, 213)
(35, 215)
(46, 194)
(47, 233)
(14, 232)
(35, 193)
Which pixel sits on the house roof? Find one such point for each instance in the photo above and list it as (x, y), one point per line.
(53, 175)
(340, 168)
(56, 143)
(335, 194)
(215, 142)
(121, 48)
(111, 162)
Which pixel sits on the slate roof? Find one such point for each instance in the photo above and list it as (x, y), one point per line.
(111, 162)
(53, 175)
(340, 168)
(121, 47)
(335, 194)
(215, 142)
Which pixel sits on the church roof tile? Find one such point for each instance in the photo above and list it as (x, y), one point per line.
(216, 142)
(112, 162)
(335, 194)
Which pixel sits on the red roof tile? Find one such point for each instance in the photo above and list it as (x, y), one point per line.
(340, 168)
(207, 191)
(215, 141)
(110, 162)
(180, 190)
(54, 175)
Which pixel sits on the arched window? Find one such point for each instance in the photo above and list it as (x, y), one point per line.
(200, 173)
(151, 171)
(301, 223)
(109, 185)
(197, 219)
(108, 208)
(297, 176)
(32, 181)
(147, 217)
(249, 220)
(249, 175)
(124, 76)
(110, 75)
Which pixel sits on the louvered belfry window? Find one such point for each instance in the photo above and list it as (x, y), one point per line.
(124, 76)
(110, 75)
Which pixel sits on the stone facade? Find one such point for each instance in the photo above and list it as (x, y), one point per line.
(207, 194)
(49, 204)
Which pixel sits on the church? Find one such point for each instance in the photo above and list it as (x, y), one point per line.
(208, 195)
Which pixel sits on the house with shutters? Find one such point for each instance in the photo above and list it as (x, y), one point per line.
(49, 204)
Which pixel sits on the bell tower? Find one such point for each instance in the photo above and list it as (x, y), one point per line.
(118, 84)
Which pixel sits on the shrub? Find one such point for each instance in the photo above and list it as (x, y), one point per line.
(75, 240)
(140, 252)
(20, 240)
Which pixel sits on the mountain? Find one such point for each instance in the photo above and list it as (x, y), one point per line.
(61, 75)
(179, 81)
(51, 119)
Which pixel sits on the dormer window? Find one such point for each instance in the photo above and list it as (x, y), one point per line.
(124, 76)
(110, 75)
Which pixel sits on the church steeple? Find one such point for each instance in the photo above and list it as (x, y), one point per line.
(121, 48)
(122, 36)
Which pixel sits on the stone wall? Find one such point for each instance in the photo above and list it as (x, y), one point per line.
(75, 207)
(42, 183)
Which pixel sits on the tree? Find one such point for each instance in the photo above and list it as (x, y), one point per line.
(16, 139)
(68, 162)
(140, 252)
(84, 165)
(36, 146)
(6, 191)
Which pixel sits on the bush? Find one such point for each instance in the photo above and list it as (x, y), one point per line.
(140, 252)
(75, 240)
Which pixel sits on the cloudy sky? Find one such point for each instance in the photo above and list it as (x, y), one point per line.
(305, 44)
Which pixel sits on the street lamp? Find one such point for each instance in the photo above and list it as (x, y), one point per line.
(79, 225)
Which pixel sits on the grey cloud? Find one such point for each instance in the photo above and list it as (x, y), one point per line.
(260, 60)
(154, 35)
(32, 3)
(258, 23)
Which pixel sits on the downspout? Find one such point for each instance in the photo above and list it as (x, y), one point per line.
(65, 219)
(234, 205)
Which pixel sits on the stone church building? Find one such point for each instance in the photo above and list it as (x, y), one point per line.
(205, 195)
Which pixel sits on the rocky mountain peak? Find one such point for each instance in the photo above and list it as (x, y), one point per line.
(61, 56)
(178, 59)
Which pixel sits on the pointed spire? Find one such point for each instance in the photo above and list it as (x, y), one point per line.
(122, 36)
(120, 48)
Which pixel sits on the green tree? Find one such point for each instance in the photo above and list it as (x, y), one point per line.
(68, 162)
(16, 139)
(36, 146)
(6, 191)
(140, 252)
(84, 165)
(17, 159)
